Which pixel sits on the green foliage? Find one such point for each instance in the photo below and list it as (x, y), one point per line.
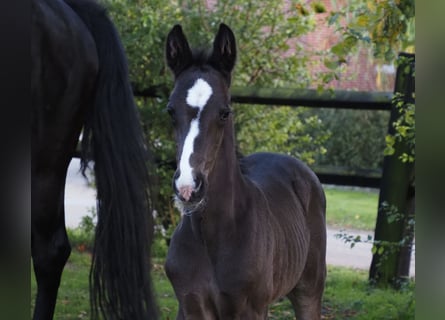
(143, 26)
(352, 239)
(263, 31)
(159, 247)
(285, 130)
(356, 138)
(82, 237)
(388, 26)
(382, 28)
(405, 128)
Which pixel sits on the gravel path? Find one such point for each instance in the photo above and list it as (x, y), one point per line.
(79, 199)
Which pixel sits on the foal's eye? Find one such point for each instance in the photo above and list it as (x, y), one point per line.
(224, 114)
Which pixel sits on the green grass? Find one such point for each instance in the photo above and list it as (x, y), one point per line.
(347, 295)
(351, 208)
(73, 298)
(164, 292)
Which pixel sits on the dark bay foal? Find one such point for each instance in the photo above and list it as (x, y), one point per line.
(253, 229)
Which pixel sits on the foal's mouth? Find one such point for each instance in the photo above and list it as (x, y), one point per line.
(195, 202)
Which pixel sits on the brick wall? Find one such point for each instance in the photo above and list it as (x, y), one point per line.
(360, 72)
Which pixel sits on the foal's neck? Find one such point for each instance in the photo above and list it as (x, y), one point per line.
(223, 220)
(226, 181)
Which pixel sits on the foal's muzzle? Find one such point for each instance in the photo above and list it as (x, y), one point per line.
(189, 193)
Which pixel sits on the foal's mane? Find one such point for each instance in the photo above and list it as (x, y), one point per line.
(200, 57)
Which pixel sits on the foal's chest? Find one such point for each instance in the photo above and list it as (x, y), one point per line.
(206, 279)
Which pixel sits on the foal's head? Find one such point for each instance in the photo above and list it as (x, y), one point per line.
(200, 108)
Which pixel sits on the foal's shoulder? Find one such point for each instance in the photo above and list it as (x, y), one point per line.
(270, 160)
(274, 172)
(267, 163)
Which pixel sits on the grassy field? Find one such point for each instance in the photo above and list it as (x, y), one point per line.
(347, 295)
(351, 208)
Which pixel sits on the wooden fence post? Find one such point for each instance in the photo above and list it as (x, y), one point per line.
(394, 236)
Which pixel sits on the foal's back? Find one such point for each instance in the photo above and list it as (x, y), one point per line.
(281, 176)
(293, 192)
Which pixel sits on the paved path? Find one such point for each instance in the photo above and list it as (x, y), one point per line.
(79, 199)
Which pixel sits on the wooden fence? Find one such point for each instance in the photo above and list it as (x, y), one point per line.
(355, 100)
(338, 99)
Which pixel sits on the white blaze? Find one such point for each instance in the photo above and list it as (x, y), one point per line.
(197, 97)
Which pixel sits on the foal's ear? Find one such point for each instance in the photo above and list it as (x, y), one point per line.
(223, 56)
(177, 51)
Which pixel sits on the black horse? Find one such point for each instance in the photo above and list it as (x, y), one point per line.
(253, 229)
(80, 81)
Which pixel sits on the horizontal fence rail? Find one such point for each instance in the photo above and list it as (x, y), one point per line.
(338, 99)
(348, 177)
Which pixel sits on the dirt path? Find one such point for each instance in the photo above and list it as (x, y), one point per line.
(80, 198)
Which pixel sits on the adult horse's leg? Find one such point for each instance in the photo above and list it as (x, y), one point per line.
(50, 247)
(64, 66)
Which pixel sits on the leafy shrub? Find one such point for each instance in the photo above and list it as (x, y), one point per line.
(263, 30)
(82, 237)
(357, 137)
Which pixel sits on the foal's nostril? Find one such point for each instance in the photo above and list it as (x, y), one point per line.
(198, 184)
(185, 193)
(199, 187)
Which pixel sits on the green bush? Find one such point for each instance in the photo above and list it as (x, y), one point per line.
(356, 139)
(263, 31)
(82, 237)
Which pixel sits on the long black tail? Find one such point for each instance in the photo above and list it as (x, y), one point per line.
(120, 285)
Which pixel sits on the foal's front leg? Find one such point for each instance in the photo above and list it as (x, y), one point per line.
(237, 307)
(197, 306)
